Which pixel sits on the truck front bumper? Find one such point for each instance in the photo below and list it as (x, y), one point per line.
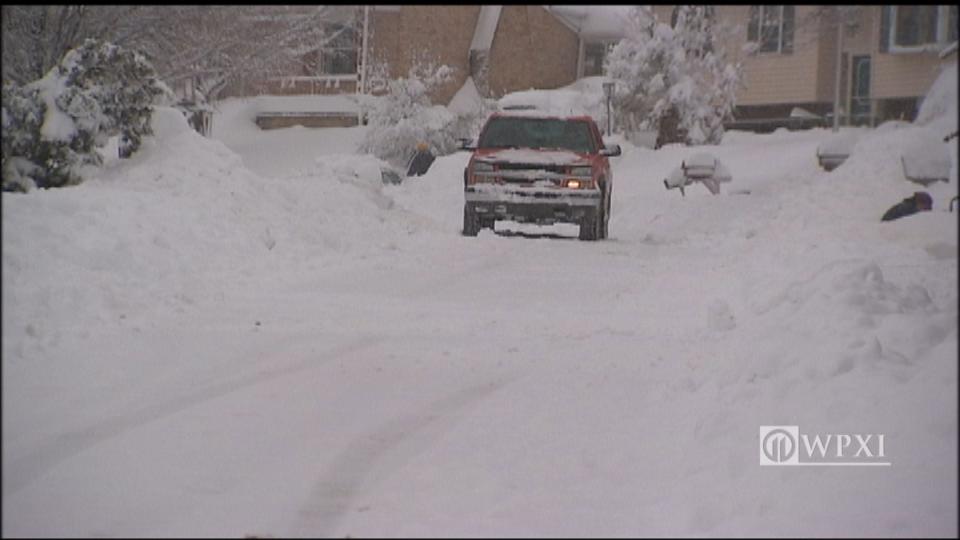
(532, 204)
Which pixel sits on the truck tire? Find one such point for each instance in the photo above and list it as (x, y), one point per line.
(471, 221)
(605, 215)
(590, 225)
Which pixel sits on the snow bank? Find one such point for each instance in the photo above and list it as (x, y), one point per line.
(396, 356)
(940, 103)
(182, 223)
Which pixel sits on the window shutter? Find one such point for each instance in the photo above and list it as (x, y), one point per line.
(753, 27)
(787, 46)
(884, 28)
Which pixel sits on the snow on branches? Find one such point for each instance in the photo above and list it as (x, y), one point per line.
(676, 80)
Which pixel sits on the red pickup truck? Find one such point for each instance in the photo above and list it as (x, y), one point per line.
(539, 169)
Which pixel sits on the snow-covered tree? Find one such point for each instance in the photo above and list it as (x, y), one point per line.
(677, 80)
(36, 36)
(404, 116)
(213, 47)
(209, 46)
(52, 126)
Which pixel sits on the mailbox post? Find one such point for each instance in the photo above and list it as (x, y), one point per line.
(608, 92)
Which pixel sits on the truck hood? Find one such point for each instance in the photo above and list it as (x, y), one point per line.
(533, 157)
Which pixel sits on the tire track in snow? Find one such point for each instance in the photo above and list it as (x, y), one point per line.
(25, 470)
(378, 454)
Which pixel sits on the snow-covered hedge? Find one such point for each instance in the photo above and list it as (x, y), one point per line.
(404, 116)
(51, 127)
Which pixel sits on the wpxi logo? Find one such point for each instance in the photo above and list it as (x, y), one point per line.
(785, 445)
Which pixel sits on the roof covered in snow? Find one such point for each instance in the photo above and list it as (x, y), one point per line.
(595, 22)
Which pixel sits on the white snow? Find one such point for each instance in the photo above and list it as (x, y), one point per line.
(334, 103)
(251, 336)
(583, 97)
(840, 143)
(940, 104)
(467, 100)
(57, 125)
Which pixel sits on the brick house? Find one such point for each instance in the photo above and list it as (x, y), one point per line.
(519, 47)
(889, 55)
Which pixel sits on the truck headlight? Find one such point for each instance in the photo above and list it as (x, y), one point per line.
(581, 171)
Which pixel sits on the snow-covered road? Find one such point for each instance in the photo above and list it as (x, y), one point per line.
(316, 355)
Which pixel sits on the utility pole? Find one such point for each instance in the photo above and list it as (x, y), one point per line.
(836, 86)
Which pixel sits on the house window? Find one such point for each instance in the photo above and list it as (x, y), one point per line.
(771, 28)
(916, 27)
(594, 55)
(338, 56)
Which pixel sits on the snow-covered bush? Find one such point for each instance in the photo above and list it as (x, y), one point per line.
(42, 145)
(23, 112)
(122, 82)
(404, 116)
(52, 126)
(674, 79)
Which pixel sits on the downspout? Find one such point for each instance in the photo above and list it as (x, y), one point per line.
(362, 87)
(580, 50)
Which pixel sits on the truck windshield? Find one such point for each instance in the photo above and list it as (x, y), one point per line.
(543, 133)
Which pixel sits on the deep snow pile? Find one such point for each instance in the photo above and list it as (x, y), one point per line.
(255, 336)
(179, 224)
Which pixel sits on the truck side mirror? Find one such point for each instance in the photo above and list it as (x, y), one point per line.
(467, 144)
(610, 150)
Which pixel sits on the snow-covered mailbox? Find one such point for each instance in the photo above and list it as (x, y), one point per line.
(832, 152)
(701, 167)
(926, 159)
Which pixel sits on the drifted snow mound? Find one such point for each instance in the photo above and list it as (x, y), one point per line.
(182, 222)
(860, 319)
(940, 103)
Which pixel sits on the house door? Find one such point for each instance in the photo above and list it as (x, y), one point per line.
(860, 91)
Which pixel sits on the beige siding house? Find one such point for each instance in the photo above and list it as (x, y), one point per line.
(890, 56)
